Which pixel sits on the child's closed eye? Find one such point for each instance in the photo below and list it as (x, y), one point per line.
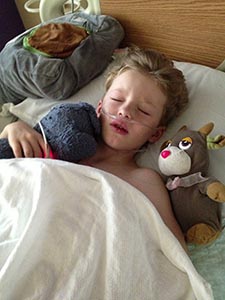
(116, 99)
(144, 112)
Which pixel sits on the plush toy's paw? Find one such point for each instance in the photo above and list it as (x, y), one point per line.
(201, 234)
(216, 191)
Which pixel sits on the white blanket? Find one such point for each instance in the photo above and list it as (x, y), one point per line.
(74, 232)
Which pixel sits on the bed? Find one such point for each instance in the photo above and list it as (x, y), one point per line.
(55, 244)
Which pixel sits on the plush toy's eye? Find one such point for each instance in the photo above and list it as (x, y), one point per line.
(185, 143)
(165, 145)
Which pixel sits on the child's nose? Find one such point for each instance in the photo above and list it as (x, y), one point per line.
(125, 112)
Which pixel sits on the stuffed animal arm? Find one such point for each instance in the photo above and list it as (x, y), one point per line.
(195, 196)
(71, 131)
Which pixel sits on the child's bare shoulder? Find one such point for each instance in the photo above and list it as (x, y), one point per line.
(147, 181)
(148, 175)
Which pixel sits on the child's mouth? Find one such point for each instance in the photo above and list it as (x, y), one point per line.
(120, 127)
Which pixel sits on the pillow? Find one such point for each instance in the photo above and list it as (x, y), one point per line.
(206, 88)
(26, 74)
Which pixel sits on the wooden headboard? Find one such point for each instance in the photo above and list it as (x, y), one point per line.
(192, 31)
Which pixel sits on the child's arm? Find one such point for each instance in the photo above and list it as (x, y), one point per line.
(24, 140)
(154, 188)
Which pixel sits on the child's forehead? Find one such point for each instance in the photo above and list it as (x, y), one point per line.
(136, 79)
(132, 77)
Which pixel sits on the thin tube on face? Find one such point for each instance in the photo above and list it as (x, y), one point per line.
(132, 121)
(115, 117)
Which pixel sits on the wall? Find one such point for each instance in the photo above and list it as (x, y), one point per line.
(10, 22)
(32, 19)
(29, 19)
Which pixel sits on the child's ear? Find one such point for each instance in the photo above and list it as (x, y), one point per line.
(157, 134)
(99, 108)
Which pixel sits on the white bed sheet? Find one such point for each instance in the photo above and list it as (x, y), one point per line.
(75, 232)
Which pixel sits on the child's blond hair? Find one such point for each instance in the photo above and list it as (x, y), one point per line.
(159, 67)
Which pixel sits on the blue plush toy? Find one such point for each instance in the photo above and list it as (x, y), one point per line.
(71, 130)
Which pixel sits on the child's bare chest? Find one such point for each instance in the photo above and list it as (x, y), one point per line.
(121, 171)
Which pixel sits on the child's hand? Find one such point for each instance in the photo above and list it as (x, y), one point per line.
(24, 140)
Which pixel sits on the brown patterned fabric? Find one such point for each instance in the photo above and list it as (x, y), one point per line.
(57, 40)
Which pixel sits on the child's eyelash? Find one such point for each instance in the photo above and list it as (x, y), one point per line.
(144, 112)
(115, 99)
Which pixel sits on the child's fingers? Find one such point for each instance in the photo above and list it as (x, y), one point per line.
(17, 149)
(28, 150)
(42, 146)
(34, 147)
(24, 140)
(28, 147)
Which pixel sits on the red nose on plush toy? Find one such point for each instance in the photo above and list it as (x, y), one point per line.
(165, 153)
